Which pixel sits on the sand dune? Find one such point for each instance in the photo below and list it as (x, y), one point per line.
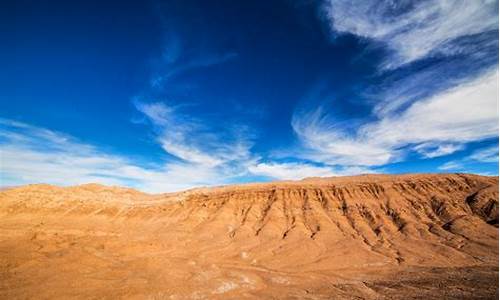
(370, 236)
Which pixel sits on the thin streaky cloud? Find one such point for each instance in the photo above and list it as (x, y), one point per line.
(431, 150)
(452, 166)
(291, 171)
(191, 140)
(66, 161)
(488, 155)
(413, 30)
(458, 116)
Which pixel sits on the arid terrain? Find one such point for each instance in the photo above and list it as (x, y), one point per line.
(363, 237)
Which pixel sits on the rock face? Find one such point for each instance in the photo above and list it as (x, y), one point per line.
(370, 236)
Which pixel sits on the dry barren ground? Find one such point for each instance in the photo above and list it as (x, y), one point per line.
(364, 237)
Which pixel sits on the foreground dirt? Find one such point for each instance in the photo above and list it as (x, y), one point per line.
(364, 237)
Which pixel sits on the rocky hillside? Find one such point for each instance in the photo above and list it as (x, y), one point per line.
(370, 236)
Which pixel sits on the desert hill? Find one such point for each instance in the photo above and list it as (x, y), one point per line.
(370, 236)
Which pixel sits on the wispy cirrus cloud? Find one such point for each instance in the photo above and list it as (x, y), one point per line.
(483, 155)
(196, 142)
(486, 155)
(33, 154)
(301, 170)
(178, 58)
(430, 46)
(395, 90)
(201, 156)
(177, 134)
(430, 150)
(436, 89)
(174, 68)
(452, 166)
(415, 29)
(436, 126)
(290, 171)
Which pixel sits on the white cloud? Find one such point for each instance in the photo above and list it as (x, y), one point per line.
(301, 170)
(413, 29)
(191, 141)
(327, 143)
(466, 113)
(31, 154)
(452, 166)
(485, 155)
(430, 150)
(177, 59)
(290, 171)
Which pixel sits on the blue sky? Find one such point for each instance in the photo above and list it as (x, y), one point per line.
(168, 95)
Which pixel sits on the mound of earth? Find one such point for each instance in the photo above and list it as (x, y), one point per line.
(369, 236)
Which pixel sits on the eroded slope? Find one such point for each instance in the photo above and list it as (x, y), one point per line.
(318, 238)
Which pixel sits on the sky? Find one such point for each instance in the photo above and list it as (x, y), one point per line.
(168, 95)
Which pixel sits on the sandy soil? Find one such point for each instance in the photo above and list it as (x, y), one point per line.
(364, 237)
